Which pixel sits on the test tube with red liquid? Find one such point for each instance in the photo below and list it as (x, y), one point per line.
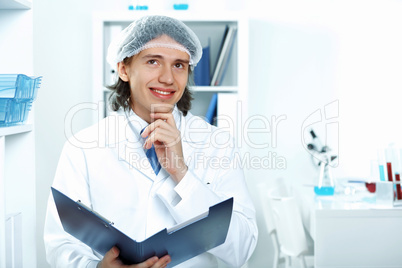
(398, 167)
(393, 160)
(389, 170)
(398, 186)
(390, 159)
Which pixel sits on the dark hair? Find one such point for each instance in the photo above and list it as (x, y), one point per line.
(121, 93)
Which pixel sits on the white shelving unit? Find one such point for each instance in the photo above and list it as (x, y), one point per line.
(232, 95)
(17, 146)
(17, 194)
(6, 131)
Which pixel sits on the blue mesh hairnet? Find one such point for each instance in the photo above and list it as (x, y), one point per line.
(137, 36)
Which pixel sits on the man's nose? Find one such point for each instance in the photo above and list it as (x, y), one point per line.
(166, 75)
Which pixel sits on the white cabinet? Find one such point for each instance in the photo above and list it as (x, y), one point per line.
(357, 237)
(17, 145)
(17, 197)
(232, 94)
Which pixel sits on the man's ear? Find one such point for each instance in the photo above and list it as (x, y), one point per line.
(122, 71)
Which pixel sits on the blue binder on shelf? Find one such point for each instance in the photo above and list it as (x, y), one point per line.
(182, 242)
(202, 76)
(224, 55)
(212, 109)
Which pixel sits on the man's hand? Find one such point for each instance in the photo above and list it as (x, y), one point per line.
(111, 260)
(165, 137)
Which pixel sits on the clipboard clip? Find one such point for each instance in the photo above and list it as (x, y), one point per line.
(107, 223)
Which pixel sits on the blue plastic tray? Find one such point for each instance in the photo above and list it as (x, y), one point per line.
(17, 93)
(13, 112)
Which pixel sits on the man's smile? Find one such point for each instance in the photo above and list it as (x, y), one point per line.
(162, 93)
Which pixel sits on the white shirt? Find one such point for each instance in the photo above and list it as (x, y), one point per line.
(105, 167)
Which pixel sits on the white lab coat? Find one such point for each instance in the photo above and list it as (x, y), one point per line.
(106, 168)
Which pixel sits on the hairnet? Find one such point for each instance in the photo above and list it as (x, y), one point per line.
(139, 34)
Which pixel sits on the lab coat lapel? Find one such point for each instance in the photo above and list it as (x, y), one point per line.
(191, 143)
(136, 158)
(130, 150)
(163, 174)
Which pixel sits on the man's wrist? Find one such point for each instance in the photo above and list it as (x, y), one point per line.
(180, 174)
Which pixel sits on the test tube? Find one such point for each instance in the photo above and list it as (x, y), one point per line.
(390, 160)
(398, 186)
(381, 163)
(374, 171)
(398, 167)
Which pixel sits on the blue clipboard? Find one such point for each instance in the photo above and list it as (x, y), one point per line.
(182, 242)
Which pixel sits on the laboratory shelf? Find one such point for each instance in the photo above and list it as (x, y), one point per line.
(229, 98)
(7, 131)
(15, 4)
(17, 142)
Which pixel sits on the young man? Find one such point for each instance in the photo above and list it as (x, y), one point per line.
(154, 56)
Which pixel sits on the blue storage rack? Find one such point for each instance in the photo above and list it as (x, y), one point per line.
(17, 93)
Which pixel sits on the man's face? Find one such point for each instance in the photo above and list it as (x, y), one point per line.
(157, 78)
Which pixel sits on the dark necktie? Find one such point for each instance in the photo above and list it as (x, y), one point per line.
(153, 158)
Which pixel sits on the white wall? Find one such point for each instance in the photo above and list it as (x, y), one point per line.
(62, 54)
(304, 55)
(16, 55)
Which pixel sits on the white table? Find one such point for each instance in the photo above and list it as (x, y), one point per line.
(351, 233)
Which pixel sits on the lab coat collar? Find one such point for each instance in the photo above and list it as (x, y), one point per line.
(135, 122)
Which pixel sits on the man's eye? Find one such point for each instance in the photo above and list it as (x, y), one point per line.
(152, 62)
(179, 65)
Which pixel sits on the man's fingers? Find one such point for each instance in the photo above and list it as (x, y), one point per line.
(154, 262)
(110, 257)
(159, 120)
(112, 254)
(148, 263)
(167, 117)
(161, 138)
(157, 124)
(162, 262)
